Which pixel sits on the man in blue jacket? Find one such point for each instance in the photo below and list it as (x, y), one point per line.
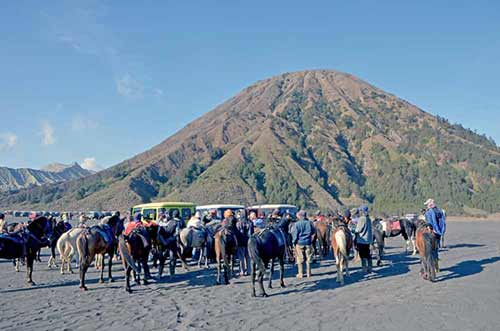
(303, 231)
(435, 218)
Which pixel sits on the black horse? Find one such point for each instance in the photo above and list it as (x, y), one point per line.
(263, 248)
(167, 247)
(403, 227)
(57, 230)
(26, 244)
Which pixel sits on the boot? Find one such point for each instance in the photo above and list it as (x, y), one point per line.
(308, 268)
(364, 264)
(370, 265)
(299, 270)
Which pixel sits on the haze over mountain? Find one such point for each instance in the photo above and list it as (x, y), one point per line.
(319, 139)
(15, 179)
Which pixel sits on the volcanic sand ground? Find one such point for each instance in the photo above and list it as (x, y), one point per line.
(465, 297)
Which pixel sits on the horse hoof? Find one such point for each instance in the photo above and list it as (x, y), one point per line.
(111, 280)
(282, 285)
(84, 288)
(264, 295)
(30, 283)
(270, 286)
(101, 281)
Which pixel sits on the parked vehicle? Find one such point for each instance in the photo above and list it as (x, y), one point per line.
(150, 211)
(220, 209)
(268, 209)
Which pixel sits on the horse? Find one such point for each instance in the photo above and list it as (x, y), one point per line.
(226, 245)
(134, 253)
(321, 237)
(341, 241)
(58, 229)
(190, 238)
(263, 248)
(404, 227)
(167, 245)
(66, 245)
(99, 239)
(426, 244)
(22, 244)
(99, 259)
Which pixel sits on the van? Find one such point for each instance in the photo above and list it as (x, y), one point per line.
(268, 209)
(150, 211)
(220, 209)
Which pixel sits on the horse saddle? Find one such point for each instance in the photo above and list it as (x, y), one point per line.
(193, 237)
(104, 231)
(394, 225)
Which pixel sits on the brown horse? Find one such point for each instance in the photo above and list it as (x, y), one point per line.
(341, 240)
(99, 239)
(226, 245)
(134, 253)
(426, 244)
(322, 234)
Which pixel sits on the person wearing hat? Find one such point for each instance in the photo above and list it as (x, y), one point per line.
(195, 221)
(229, 219)
(364, 239)
(82, 221)
(435, 217)
(135, 224)
(244, 229)
(258, 223)
(303, 231)
(346, 217)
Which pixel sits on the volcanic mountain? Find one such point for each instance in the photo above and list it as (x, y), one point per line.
(318, 139)
(15, 179)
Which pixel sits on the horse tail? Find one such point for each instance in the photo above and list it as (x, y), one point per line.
(341, 240)
(128, 260)
(82, 245)
(429, 246)
(253, 252)
(61, 244)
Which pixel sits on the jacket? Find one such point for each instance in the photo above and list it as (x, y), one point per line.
(435, 217)
(303, 231)
(363, 230)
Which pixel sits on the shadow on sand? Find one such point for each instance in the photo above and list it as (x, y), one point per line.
(464, 246)
(467, 268)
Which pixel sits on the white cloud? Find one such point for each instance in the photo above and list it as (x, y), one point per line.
(82, 123)
(47, 134)
(129, 87)
(7, 141)
(90, 163)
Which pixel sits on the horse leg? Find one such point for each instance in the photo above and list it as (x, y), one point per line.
(83, 269)
(271, 272)
(200, 258)
(282, 270)
(17, 264)
(110, 265)
(172, 262)
(414, 246)
(226, 269)
(146, 271)
(253, 279)
(127, 279)
(346, 261)
(205, 253)
(161, 258)
(261, 283)
(218, 271)
(29, 267)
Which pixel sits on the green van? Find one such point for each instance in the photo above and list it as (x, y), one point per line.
(150, 211)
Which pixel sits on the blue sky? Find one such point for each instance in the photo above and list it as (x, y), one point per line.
(105, 80)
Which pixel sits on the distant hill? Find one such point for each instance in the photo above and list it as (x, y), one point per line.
(319, 139)
(16, 179)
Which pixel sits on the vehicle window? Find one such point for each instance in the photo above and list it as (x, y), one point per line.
(135, 211)
(149, 214)
(186, 213)
(171, 212)
(162, 211)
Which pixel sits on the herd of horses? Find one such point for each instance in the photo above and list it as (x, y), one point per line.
(216, 241)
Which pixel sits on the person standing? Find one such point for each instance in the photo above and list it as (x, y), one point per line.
(302, 239)
(435, 218)
(245, 230)
(364, 239)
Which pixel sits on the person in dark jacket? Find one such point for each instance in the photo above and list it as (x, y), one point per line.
(364, 238)
(244, 231)
(302, 239)
(435, 217)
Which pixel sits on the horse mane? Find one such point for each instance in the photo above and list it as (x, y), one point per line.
(38, 225)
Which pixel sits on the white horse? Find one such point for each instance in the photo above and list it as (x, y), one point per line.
(66, 245)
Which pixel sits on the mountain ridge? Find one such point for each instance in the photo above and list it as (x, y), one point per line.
(320, 139)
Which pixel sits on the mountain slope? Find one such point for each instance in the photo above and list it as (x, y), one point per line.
(315, 138)
(15, 179)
